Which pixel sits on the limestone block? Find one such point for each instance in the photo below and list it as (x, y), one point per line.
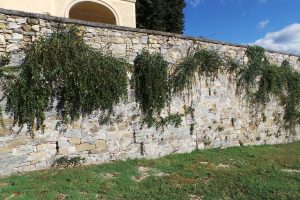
(5, 150)
(85, 147)
(73, 133)
(62, 151)
(101, 144)
(2, 39)
(74, 141)
(18, 142)
(41, 165)
(63, 142)
(38, 156)
(45, 147)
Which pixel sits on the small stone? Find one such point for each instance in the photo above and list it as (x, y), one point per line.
(2, 39)
(74, 141)
(32, 21)
(3, 17)
(18, 30)
(40, 165)
(105, 39)
(81, 28)
(73, 133)
(12, 25)
(26, 27)
(117, 40)
(111, 129)
(36, 28)
(2, 26)
(17, 36)
(144, 40)
(21, 20)
(9, 19)
(30, 33)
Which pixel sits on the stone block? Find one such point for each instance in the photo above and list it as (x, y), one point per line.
(62, 151)
(17, 36)
(21, 20)
(36, 28)
(144, 40)
(3, 26)
(41, 165)
(38, 156)
(5, 150)
(12, 25)
(74, 141)
(73, 133)
(117, 40)
(63, 142)
(118, 49)
(18, 142)
(32, 21)
(85, 147)
(101, 144)
(26, 27)
(3, 17)
(45, 147)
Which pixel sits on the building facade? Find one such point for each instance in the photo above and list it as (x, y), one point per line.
(118, 12)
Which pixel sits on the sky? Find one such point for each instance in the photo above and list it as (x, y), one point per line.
(273, 24)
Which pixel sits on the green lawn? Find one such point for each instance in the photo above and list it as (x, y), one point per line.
(234, 173)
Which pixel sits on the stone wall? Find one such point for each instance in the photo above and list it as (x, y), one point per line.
(222, 118)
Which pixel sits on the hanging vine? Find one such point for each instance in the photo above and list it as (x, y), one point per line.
(62, 72)
(203, 63)
(151, 83)
(262, 80)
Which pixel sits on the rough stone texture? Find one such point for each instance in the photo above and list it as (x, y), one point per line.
(222, 119)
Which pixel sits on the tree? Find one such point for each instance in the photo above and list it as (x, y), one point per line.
(161, 15)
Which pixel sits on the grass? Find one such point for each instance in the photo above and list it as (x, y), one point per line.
(233, 173)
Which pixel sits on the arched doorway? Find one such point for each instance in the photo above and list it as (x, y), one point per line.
(93, 12)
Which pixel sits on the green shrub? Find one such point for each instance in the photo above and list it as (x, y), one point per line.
(65, 162)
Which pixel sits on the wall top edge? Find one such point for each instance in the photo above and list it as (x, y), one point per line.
(123, 28)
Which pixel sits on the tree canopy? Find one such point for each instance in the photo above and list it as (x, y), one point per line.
(161, 15)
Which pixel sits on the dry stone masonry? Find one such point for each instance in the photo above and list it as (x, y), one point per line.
(222, 118)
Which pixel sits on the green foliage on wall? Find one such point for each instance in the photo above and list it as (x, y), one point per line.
(62, 72)
(258, 79)
(262, 80)
(151, 83)
(203, 63)
(161, 15)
